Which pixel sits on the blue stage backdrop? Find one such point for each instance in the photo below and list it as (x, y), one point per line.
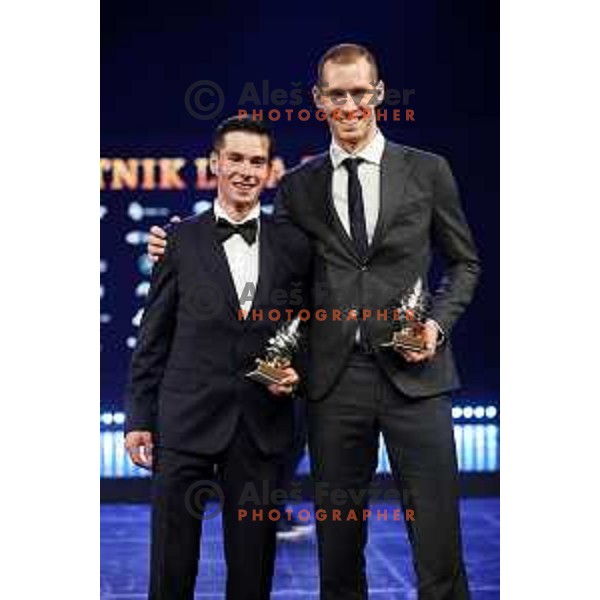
(442, 58)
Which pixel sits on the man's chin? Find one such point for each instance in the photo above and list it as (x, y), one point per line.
(353, 135)
(244, 199)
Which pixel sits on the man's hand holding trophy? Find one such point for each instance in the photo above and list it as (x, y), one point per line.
(415, 336)
(275, 370)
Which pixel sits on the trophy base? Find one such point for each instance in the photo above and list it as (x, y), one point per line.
(266, 373)
(403, 341)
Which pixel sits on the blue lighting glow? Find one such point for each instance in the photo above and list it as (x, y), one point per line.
(119, 418)
(202, 206)
(135, 238)
(477, 443)
(142, 289)
(477, 451)
(144, 265)
(479, 412)
(106, 418)
(137, 318)
(458, 412)
(491, 412)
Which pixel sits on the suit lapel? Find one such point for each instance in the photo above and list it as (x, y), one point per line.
(213, 258)
(325, 208)
(266, 261)
(395, 169)
(394, 174)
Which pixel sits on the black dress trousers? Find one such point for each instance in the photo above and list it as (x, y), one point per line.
(343, 437)
(178, 506)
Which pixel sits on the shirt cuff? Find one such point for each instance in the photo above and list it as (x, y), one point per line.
(441, 335)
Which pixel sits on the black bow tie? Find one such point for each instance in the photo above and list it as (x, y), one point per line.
(247, 229)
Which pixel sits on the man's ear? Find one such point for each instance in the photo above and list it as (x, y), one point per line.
(317, 98)
(380, 93)
(213, 163)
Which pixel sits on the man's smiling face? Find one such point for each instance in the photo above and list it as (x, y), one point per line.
(349, 96)
(241, 165)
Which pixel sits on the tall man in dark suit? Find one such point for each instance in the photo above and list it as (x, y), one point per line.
(191, 409)
(376, 211)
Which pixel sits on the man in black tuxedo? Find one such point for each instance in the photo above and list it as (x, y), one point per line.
(375, 212)
(191, 411)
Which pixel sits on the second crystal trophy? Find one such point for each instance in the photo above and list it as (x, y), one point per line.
(409, 318)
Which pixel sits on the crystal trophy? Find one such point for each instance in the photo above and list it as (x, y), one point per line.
(409, 321)
(278, 354)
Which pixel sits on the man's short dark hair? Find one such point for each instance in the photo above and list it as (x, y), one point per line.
(344, 54)
(246, 124)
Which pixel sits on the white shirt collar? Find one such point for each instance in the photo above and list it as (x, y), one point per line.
(372, 152)
(221, 214)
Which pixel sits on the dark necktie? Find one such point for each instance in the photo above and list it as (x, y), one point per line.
(358, 230)
(247, 229)
(356, 208)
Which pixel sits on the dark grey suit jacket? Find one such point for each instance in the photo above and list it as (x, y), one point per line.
(420, 212)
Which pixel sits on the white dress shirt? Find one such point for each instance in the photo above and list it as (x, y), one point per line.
(242, 257)
(369, 175)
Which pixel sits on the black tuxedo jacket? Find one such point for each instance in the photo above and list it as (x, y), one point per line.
(419, 211)
(187, 381)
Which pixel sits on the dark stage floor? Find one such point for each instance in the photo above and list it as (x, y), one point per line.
(124, 556)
